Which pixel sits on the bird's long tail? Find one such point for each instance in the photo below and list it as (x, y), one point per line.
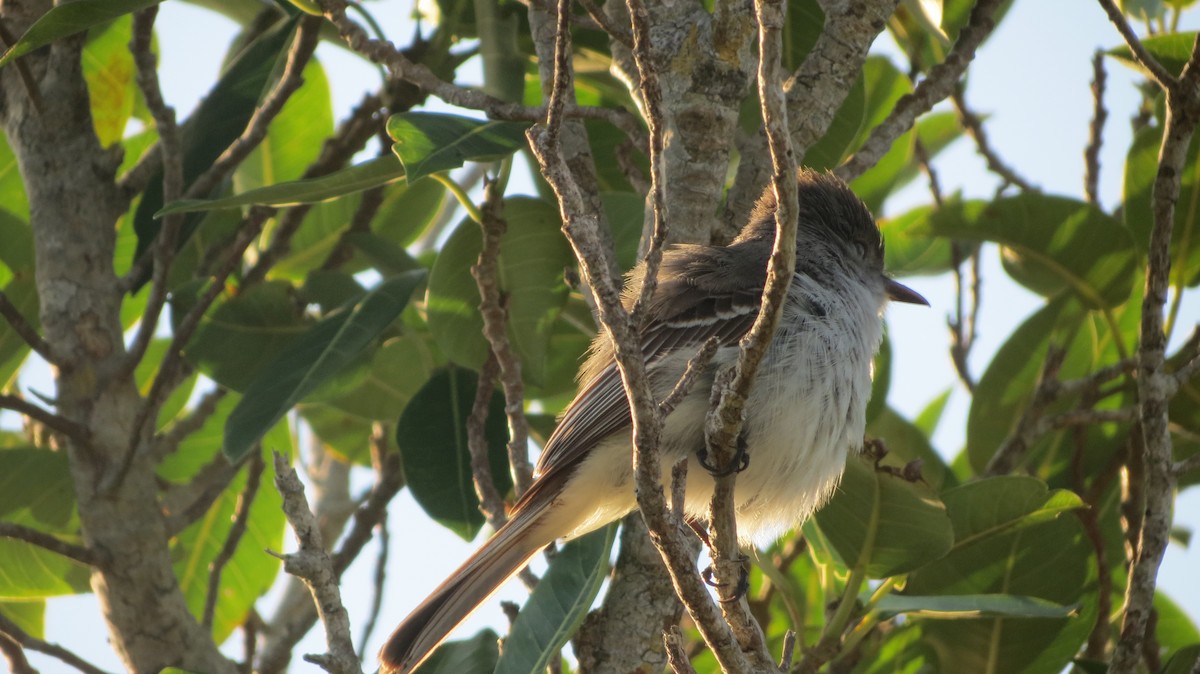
(500, 558)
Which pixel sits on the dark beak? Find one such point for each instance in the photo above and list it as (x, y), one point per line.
(898, 292)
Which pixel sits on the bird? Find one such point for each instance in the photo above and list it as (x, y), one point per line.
(805, 414)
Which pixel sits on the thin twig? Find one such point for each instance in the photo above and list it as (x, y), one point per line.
(939, 84)
(1153, 68)
(490, 500)
(166, 444)
(241, 516)
(495, 330)
(385, 54)
(10, 629)
(378, 578)
(255, 132)
(389, 480)
(27, 79)
(619, 33)
(677, 656)
(1091, 176)
(724, 422)
(314, 565)
(652, 102)
(25, 329)
(974, 126)
(53, 544)
(15, 655)
(1013, 448)
(172, 161)
(48, 419)
(695, 367)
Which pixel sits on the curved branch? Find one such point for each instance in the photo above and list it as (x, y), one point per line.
(940, 82)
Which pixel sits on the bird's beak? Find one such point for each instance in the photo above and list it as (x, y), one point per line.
(898, 292)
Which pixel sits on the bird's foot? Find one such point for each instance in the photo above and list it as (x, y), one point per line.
(739, 589)
(741, 460)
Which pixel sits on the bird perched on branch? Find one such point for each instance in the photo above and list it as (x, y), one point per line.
(805, 413)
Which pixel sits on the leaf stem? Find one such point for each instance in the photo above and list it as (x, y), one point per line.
(460, 194)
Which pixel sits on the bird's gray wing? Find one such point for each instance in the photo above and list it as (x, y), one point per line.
(703, 292)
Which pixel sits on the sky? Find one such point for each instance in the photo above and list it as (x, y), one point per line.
(1031, 79)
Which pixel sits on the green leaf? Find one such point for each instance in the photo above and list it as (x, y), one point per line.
(428, 143)
(881, 379)
(108, 70)
(16, 258)
(251, 571)
(217, 121)
(320, 353)
(432, 436)
(558, 604)
(30, 616)
(408, 209)
(805, 21)
(397, 371)
(294, 137)
(243, 333)
(911, 248)
(1008, 383)
(1184, 662)
(372, 173)
(36, 491)
(997, 505)
(974, 606)
(1054, 243)
(70, 18)
(533, 254)
(834, 146)
(477, 655)
(884, 523)
(1010, 541)
(1170, 49)
(12, 185)
(346, 435)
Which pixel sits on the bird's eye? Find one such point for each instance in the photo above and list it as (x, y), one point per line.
(861, 249)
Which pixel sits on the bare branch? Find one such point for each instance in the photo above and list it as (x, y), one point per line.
(940, 82)
(581, 225)
(1091, 176)
(48, 419)
(1154, 384)
(381, 562)
(677, 656)
(25, 329)
(53, 544)
(617, 32)
(256, 129)
(495, 330)
(166, 444)
(10, 629)
(172, 162)
(314, 565)
(385, 54)
(1153, 68)
(490, 500)
(15, 655)
(974, 127)
(241, 515)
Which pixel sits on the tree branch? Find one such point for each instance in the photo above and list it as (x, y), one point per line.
(52, 421)
(313, 564)
(974, 127)
(1153, 68)
(241, 516)
(52, 543)
(172, 162)
(940, 82)
(1091, 155)
(495, 330)
(25, 329)
(10, 629)
(1153, 383)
